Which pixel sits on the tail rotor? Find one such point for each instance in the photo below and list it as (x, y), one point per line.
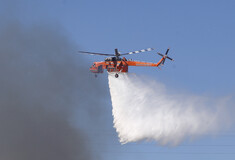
(165, 56)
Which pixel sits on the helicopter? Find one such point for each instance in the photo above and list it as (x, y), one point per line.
(117, 64)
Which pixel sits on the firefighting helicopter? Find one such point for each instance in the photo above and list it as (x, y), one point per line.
(116, 64)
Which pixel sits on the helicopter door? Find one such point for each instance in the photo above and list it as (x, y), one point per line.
(100, 69)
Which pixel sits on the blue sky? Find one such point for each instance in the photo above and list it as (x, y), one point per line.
(200, 34)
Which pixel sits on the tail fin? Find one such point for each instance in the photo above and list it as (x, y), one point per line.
(164, 57)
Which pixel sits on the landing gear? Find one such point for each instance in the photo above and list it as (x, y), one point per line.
(96, 76)
(116, 75)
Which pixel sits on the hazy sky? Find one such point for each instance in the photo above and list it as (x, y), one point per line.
(200, 34)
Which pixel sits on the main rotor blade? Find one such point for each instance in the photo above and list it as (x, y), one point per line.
(143, 50)
(93, 53)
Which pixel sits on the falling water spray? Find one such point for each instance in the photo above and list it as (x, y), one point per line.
(144, 110)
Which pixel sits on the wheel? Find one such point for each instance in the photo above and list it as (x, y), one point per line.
(116, 75)
(95, 76)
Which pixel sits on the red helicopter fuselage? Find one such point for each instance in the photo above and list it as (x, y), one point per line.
(113, 64)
